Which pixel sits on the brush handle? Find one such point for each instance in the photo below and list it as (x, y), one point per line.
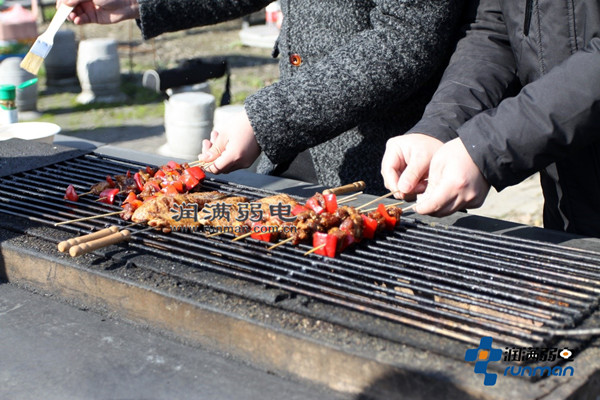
(61, 15)
(67, 244)
(350, 188)
(86, 247)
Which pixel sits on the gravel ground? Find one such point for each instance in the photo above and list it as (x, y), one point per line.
(138, 123)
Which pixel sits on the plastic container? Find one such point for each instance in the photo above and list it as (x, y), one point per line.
(18, 31)
(12, 74)
(99, 71)
(43, 132)
(8, 105)
(188, 121)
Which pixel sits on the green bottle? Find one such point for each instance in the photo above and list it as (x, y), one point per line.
(8, 105)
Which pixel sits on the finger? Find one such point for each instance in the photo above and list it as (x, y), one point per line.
(392, 164)
(222, 160)
(206, 144)
(414, 173)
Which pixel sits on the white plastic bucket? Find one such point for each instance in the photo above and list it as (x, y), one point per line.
(188, 121)
(99, 71)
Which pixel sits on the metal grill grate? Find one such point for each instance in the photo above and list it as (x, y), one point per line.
(456, 282)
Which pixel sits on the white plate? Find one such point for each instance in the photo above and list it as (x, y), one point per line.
(37, 131)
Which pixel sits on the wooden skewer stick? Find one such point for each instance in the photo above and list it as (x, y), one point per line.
(386, 206)
(280, 243)
(409, 207)
(207, 165)
(351, 187)
(86, 218)
(215, 234)
(86, 193)
(315, 249)
(349, 198)
(376, 200)
(244, 236)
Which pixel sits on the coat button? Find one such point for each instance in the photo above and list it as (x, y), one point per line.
(295, 60)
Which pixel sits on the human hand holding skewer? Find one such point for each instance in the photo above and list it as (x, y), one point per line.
(232, 146)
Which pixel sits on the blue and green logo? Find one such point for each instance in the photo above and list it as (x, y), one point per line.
(482, 355)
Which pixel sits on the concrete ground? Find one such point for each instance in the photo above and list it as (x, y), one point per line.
(53, 350)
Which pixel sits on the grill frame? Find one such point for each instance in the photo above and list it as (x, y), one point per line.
(410, 226)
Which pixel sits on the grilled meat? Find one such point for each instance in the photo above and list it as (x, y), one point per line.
(157, 212)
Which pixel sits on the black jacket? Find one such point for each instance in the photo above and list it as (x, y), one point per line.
(552, 49)
(368, 69)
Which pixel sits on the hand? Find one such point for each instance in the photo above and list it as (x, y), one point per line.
(405, 164)
(101, 11)
(232, 145)
(455, 182)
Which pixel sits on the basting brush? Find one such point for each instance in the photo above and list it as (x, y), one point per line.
(40, 49)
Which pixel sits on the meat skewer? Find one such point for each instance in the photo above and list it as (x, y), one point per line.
(156, 211)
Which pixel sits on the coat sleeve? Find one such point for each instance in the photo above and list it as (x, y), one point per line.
(391, 60)
(550, 119)
(160, 16)
(479, 73)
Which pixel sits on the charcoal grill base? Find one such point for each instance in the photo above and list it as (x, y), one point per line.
(259, 332)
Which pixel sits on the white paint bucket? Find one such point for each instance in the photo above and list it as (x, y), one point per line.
(99, 71)
(188, 121)
(12, 74)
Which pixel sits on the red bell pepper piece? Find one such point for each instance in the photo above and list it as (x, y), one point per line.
(369, 227)
(71, 194)
(326, 244)
(196, 172)
(160, 173)
(138, 181)
(314, 205)
(259, 233)
(390, 222)
(110, 181)
(173, 165)
(108, 195)
(150, 170)
(134, 203)
(130, 198)
(177, 185)
(330, 202)
(299, 209)
(189, 180)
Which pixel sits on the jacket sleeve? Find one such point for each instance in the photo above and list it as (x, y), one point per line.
(550, 119)
(160, 16)
(479, 73)
(391, 60)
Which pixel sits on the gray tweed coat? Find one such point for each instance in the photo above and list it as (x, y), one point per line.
(368, 68)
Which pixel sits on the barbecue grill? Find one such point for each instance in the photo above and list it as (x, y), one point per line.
(426, 290)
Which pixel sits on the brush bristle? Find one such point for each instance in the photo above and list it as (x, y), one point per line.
(32, 63)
